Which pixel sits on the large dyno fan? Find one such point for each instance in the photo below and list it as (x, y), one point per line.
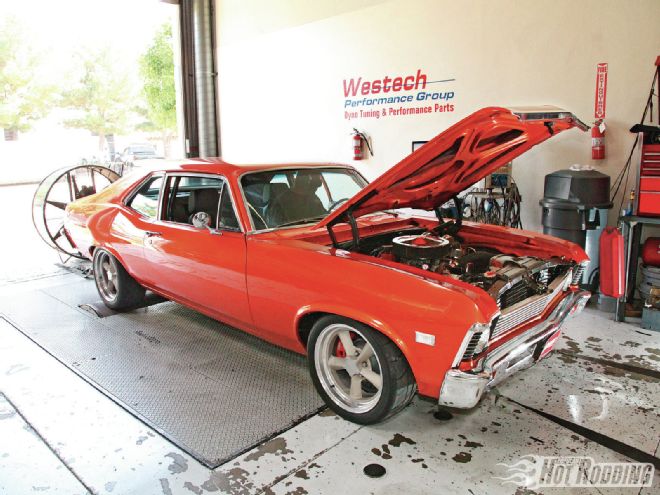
(56, 191)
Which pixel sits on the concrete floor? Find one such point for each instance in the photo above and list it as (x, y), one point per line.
(60, 435)
(596, 396)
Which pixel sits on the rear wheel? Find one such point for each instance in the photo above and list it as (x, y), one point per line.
(359, 372)
(117, 288)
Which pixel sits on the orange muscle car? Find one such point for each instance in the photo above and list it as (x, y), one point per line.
(386, 302)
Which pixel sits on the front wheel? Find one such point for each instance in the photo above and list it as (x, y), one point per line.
(117, 288)
(359, 372)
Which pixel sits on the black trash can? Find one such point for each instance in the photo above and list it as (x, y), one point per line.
(575, 205)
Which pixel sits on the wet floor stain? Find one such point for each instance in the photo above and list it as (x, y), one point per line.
(462, 457)
(442, 415)
(572, 345)
(16, 368)
(384, 453)
(525, 491)
(645, 360)
(421, 462)
(302, 474)
(654, 353)
(235, 481)
(179, 463)
(7, 414)
(305, 473)
(109, 486)
(275, 446)
(298, 491)
(165, 486)
(193, 488)
(565, 357)
(398, 439)
(141, 440)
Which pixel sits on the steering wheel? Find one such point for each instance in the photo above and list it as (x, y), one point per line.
(335, 204)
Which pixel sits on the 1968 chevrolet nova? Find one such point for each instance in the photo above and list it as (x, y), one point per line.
(313, 258)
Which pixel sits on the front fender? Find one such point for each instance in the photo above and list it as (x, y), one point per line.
(357, 314)
(290, 279)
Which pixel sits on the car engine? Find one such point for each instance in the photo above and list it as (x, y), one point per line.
(508, 279)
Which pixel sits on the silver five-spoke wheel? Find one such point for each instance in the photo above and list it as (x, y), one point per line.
(349, 368)
(106, 277)
(360, 373)
(116, 287)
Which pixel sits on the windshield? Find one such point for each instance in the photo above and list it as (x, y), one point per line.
(280, 198)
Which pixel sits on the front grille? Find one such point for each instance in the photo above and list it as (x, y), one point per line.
(537, 304)
(469, 350)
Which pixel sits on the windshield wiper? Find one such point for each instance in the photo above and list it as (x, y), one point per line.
(302, 220)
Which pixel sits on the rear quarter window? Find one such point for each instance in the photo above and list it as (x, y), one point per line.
(145, 201)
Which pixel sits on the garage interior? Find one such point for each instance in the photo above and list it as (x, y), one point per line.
(162, 399)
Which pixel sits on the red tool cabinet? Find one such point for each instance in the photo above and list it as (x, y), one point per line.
(649, 181)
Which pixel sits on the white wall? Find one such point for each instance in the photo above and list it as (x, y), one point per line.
(281, 67)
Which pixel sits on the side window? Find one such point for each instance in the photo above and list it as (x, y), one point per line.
(189, 195)
(145, 200)
(228, 218)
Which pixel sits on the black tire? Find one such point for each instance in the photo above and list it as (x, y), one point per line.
(398, 385)
(118, 290)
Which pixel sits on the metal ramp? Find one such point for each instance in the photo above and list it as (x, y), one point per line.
(209, 388)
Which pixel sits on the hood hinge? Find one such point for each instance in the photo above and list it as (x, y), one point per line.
(350, 219)
(332, 236)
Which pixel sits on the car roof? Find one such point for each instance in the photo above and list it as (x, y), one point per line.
(219, 166)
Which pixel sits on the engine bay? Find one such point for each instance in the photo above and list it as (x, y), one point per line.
(509, 279)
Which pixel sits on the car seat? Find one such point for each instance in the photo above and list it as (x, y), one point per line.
(205, 200)
(298, 202)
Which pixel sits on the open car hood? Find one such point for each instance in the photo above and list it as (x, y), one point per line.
(456, 159)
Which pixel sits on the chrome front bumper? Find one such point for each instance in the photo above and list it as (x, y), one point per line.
(464, 389)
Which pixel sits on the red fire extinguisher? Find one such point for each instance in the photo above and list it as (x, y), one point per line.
(359, 138)
(598, 140)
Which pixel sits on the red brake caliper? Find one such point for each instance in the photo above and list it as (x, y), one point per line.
(340, 351)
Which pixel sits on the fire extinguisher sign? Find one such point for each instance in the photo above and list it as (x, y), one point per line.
(601, 91)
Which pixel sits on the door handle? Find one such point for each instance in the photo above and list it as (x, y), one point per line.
(151, 233)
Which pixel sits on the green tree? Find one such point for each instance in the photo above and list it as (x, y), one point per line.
(157, 72)
(101, 98)
(24, 96)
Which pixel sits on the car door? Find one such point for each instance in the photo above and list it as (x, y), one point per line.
(201, 266)
(133, 224)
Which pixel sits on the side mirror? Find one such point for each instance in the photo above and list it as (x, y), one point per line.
(201, 220)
